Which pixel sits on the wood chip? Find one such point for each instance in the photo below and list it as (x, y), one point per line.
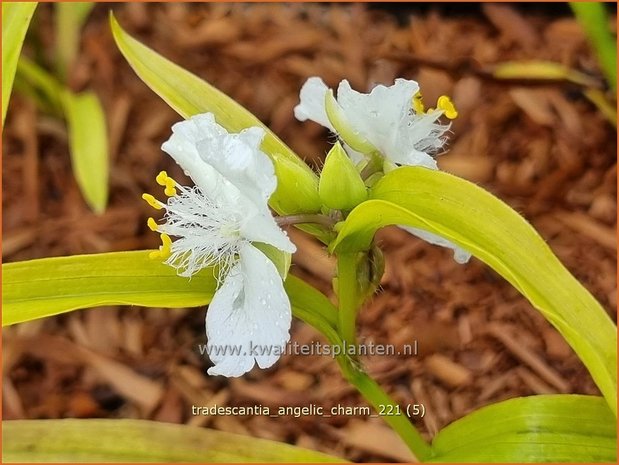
(586, 225)
(523, 353)
(451, 373)
(377, 439)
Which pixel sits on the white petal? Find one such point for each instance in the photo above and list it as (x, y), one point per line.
(250, 312)
(460, 255)
(182, 147)
(414, 158)
(378, 115)
(312, 105)
(261, 227)
(238, 158)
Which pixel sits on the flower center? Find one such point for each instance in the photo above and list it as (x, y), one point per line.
(444, 104)
(207, 233)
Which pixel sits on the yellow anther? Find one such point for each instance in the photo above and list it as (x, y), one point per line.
(152, 224)
(418, 105)
(164, 180)
(449, 110)
(170, 190)
(161, 178)
(152, 201)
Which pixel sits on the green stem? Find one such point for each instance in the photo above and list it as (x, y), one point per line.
(355, 375)
(374, 165)
(309, 218)
(348, 290)
(379, 399)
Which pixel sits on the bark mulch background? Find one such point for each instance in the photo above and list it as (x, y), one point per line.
(543, 149)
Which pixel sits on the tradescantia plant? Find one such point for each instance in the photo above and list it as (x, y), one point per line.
(223, 245)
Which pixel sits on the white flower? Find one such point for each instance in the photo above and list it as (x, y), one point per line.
(389, 120)
(215, 223)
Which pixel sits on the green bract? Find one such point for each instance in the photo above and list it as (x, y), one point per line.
(340, 187)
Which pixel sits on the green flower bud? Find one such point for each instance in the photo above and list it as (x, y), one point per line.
(299, 194)
(340, 186)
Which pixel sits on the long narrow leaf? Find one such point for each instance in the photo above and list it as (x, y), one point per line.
(549, 428)
(46, 86)
(94, 440)
(16, 18)
(41, 288)
(480, 223)
(88, 146)
(189, 95)
(542, 71)
(70, 17)
(49, 286)
(594, 20)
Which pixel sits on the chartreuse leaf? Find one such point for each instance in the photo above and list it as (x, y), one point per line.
(16, 18)
(41, 85)
(189, 95)
(493, 232)
(88, 146)
(96, 440)
(69, 19)
(548, 428)
(49, 286)
(594, 20)
(41, 288)
(542, 70)
(86, 126)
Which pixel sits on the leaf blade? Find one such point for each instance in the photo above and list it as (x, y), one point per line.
(189, 95)
(69, 19)
(88, 146)
(480, 223)
(49, 286)
(549, 428)
(594, 20)
(97, 440)
(16, 18)
(63, 284)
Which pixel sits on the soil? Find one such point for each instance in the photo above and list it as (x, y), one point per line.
(542, 148)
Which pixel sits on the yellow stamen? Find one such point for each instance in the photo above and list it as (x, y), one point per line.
(418, 105)
(152, 224)
(449, 110)
(152, 201)
(165, 249)
(170, 190)
(164, 180)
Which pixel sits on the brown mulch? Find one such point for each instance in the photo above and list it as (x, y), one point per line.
(543, 149)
